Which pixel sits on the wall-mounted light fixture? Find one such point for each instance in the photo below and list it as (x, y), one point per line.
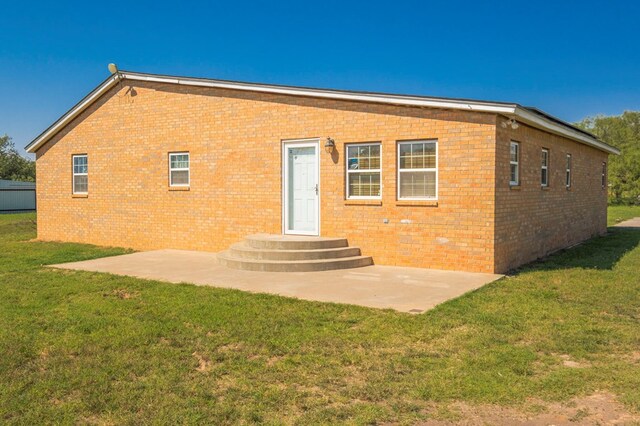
(510, 123)
(329, 145)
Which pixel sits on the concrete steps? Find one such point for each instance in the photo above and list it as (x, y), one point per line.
(289, 253)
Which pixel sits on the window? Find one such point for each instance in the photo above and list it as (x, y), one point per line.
(80, 174)
(604, 175)
(179, 169)
(417, 170)
(544, 177)
(514, 161)
(568, 178)
(363, 171)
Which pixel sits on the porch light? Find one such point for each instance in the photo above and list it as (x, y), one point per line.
(329, 146)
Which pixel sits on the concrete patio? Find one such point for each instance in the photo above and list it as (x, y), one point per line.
(412, 290)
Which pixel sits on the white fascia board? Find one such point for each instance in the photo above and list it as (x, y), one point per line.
(542, 122)
(332, 94)
(510, 110)
(71, 114)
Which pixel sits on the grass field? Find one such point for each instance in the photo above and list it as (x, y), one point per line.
(80, 347)
(618, 214)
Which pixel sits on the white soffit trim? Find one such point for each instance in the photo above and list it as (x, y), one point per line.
(541, 122)
(511, 110)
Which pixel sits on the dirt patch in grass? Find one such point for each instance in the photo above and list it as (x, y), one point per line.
(96, 420)
(122, 294)
(273, 360)
(204, 362)
(635, 357)
(231, 347)
(225, 383)
(598, 408)
(567, 361)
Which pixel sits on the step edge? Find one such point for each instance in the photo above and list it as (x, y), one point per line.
(242, 246)
(294, 262)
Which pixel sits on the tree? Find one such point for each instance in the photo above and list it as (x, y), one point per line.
(623, 132)
(14, 166)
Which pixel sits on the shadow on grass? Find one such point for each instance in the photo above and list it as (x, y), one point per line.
(13, 227)
(597, 253)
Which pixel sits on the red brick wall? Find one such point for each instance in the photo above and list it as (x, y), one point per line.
(531, 221)
(234, 139)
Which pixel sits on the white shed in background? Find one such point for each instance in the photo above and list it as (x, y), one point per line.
(17, 196)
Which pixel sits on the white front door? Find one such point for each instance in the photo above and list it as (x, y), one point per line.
(301, 187)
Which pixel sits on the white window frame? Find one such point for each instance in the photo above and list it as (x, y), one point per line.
(569, 166)
(604, 174)
(180, 169)
(356, 171)
(73, 171)
(429, 169)
(514, 163)
(545, 167)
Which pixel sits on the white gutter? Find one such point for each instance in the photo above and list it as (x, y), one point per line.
(511, 110)
(329, 94)
(541, 122)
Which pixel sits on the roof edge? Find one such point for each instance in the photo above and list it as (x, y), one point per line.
(551, 124)
(72, 113)
(531, 117)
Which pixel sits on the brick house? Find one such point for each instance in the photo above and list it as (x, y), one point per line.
(151, 161)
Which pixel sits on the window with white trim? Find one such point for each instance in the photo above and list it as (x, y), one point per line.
(514, 161)
(568, 174)
(364, 171)
(544, 168)
(418, 170)
(604, 175)
(179, 169)
(80, 174)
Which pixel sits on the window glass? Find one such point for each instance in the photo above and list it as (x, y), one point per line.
(363, 171)
(420, 155)
(364, 185)
(180, 161)
(80, 184)
(418, 185)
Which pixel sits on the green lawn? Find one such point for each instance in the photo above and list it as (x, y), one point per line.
(80, 347)
(618, 214)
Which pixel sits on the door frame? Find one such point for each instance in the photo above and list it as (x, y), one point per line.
(299, 143)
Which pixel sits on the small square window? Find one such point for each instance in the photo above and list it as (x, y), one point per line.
(80, 171)
(179, 169)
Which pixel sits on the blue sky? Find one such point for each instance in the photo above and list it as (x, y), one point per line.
(569, 58)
